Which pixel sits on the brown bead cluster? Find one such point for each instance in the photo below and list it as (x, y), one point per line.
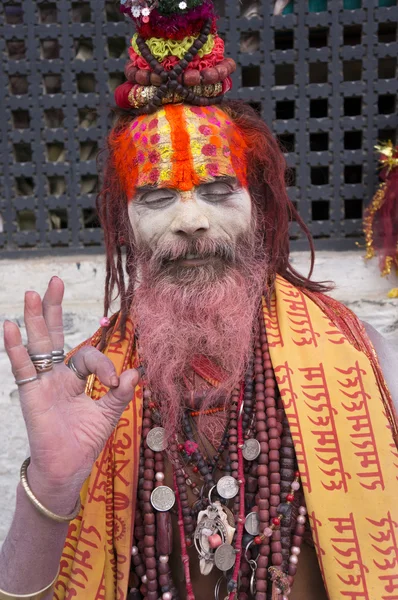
(203, 467)
(169, 79)
(296, 541)
(273, 475)
(271, 483)
(189, 525)
(266, 435)
(233, 446)
(288, 475)
(248, 413)
(150, 581)
(153, 531)
(189, 78)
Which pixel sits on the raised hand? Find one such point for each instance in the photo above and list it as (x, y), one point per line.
(66, 429)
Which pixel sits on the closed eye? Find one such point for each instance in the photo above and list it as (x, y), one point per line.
(217, 191)
(158, 198)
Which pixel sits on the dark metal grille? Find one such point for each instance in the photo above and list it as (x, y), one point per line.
(325, 82)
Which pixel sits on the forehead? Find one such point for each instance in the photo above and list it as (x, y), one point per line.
(180, 147)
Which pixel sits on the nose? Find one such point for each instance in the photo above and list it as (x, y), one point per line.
(190, 219)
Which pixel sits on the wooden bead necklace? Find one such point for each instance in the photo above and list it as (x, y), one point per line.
(260, 469)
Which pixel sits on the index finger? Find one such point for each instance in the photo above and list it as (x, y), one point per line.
(52, 312)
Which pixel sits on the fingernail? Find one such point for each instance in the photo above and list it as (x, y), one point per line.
(114, 381)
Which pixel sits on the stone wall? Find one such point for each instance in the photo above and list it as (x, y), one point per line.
(358, 284)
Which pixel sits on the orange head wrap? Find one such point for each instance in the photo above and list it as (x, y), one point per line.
(178, 147)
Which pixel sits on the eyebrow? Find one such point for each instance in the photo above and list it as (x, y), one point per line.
(221, 179)
(147, 188)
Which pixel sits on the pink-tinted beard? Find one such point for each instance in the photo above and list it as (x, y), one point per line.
(205, 312)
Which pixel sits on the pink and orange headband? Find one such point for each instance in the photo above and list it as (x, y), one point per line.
(178, 147)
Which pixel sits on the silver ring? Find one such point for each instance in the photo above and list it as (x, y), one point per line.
(58, 356)
(42, 362)
(27, 380)
(72, 367)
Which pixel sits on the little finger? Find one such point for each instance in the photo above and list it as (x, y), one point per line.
(21, 364)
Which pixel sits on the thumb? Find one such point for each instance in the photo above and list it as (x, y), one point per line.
(115, 401)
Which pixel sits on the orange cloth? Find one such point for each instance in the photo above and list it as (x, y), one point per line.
(343, 426)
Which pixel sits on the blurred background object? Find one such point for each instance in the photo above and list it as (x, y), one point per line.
(381, 216)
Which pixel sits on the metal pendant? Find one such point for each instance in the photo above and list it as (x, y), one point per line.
(156, 439)
(252, 523)
(251, 449)
(162, 498)
(204, 529)
(224, 557)
(227, 487)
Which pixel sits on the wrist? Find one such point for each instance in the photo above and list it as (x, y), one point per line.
(57, 496)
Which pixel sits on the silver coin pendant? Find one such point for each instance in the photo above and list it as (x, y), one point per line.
(252, 524)
(227, 487)
(156, 439)
(224, 557)
(162, 498)
(251, 449)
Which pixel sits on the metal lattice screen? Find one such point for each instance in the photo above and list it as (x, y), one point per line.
(324, 81)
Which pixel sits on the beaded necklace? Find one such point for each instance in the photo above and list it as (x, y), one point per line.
(256, 543)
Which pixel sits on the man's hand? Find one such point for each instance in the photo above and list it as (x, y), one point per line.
(66, 429)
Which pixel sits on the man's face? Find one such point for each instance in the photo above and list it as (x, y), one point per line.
(187, 305)
(173, 223)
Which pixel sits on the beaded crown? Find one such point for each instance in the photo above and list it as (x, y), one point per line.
(176, 55)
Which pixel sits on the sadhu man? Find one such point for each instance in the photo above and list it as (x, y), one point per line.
(230, 432)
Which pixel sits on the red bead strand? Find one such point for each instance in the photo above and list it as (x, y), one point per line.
(233, 583)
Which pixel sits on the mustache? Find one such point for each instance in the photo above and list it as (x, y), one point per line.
(203, 247)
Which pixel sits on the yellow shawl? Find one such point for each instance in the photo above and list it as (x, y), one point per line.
(343, 427)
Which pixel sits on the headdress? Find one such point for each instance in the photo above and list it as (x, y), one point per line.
(175, 56)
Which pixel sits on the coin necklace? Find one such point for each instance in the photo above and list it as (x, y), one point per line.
(150, 553)
(271, 483)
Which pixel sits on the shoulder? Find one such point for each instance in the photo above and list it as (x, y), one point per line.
(387, 353)
(385, 349)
